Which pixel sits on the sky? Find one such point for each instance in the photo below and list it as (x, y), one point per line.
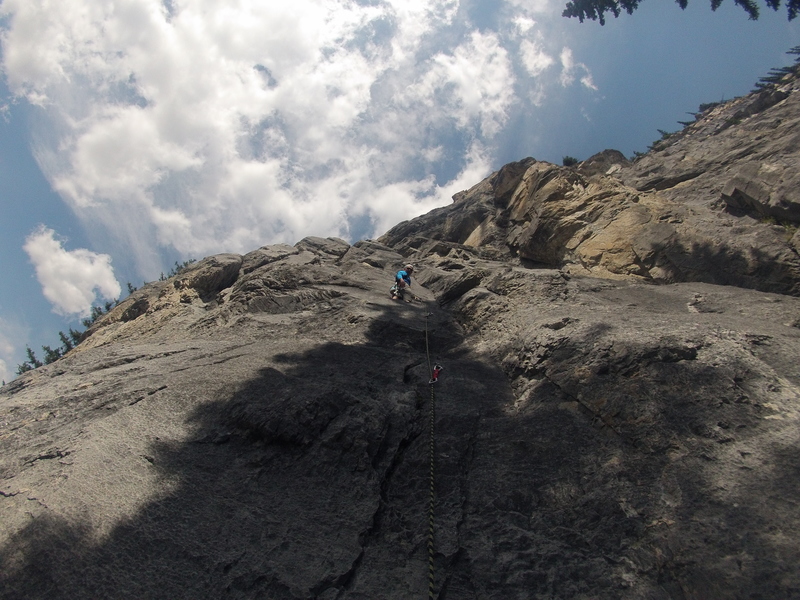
(138, 133)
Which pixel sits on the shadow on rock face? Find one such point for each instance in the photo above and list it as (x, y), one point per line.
(307, 481)
(625, 473)
(765, 267)
(658, 465)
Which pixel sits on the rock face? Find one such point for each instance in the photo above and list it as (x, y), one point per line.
(743, 154)
(610, 422)
(549, 216)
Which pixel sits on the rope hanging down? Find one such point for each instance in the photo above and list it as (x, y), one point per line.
(432, 448)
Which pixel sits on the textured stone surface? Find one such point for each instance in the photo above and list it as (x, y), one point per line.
(595, 438)
(551, 216)
(744, 153)
(256, 427)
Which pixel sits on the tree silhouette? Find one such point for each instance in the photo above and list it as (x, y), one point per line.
(597, 9)
(569, 161)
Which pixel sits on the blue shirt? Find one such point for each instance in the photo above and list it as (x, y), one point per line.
(404, 276)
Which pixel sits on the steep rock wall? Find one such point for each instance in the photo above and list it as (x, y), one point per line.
(255, 427)
(594, 438)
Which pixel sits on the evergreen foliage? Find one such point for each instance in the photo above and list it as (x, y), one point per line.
(569, 161)
(708, 106)
(72, 338)
(596, 10)
(96, 313)
(51, 355)
(32, 357)
(29, 364)
(68, 340)
(177, 268)
(776, 75)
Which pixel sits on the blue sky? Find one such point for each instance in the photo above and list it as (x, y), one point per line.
(135, 133)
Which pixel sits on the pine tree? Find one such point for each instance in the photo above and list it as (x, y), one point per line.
(569, 161)
(95, 314)
(51, 355)
(30, 364)
(65, 342)
(595, 10)
(75, 336)
(776, 75)
(35, 362)
(707, 106)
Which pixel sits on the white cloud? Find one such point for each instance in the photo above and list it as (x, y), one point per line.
(473, 84)
(392, 203)
(588, 82)
(228, 124)
(70, 279)
(12, 336)
(569, 68)
(535, 59)
(536, 6)
(7, 350)
(523, 24)
(477, 167)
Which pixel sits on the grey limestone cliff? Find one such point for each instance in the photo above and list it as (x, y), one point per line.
(617, 416)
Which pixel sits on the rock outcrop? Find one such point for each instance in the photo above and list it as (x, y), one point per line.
(593, 224)
(743, 154)
(611, 422)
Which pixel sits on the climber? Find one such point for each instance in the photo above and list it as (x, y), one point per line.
(435, 375)
(401, 281)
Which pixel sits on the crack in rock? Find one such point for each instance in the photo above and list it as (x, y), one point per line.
(49, 456)
(344, 581)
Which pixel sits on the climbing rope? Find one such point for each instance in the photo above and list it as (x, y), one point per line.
(432, 448)
(427, 349)
(432, 498)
